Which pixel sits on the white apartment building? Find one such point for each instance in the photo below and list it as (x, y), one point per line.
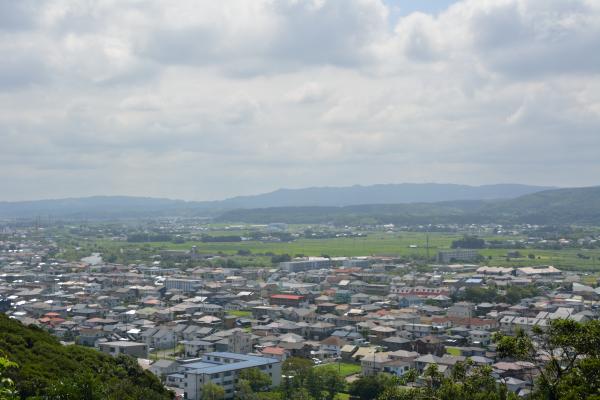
(222, 368)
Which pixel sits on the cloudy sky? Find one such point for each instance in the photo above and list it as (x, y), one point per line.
(208, 99)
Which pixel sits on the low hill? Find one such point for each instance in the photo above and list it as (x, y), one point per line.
(559, 206)
(379, 194)
(357, 204)
(97, 207)
(555, 207)
(49, 370)
(116, 207)
(414, 213)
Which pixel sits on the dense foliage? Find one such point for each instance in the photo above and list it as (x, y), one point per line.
(7, 386)
(211, 391)
(48, 370)
(566, 357)
(148, 237)
(468, 242)
(467, 382)
(218, 239)
(511, 295)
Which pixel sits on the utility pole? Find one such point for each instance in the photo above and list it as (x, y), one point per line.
(427, 243)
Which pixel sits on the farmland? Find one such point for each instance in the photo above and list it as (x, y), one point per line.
(405, 245)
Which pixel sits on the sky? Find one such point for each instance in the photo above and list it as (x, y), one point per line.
(204, 99)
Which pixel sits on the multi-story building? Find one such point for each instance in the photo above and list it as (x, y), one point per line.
(447, 256)
(357, 263)
(240, 342)
(419, 330)
(133, 349)
(306, 264)
(480, 337)
(185, 285)
(461, 309)
(288, 300)
(223, 369)
(541, 271)
(421, 291)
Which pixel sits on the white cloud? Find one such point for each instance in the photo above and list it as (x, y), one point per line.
(205, 99)
(310, 92)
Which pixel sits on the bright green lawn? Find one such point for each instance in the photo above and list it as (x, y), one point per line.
(240, 313)
(453, 351)
(346, 369)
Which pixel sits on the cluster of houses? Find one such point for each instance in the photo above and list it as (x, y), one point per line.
(200, 325)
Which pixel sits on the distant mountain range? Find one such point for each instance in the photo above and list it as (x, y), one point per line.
(380, 194)
(549, 207)
(106, 207)
(401, 204)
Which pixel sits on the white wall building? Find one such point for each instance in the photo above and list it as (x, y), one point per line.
(222, 368)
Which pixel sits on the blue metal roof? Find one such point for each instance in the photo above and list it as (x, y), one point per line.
(242, 361)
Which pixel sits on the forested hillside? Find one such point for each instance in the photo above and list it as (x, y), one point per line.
(46, 369)
(561, 206)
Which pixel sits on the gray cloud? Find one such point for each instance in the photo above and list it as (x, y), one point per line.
(205, 99)
(17, 15)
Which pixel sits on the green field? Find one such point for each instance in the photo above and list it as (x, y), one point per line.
(373, 244)
(402, 244)
(345, 369)
(453, 351)
(566, 258)
(240, 313)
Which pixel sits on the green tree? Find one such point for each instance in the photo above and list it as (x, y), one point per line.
(49, 370)
(372, 386)
(301, 394)
(400, 393)
(469, 382)
(566, 355)
(244, 390)
(466, 382)
(480, 294)
(433, 377)
(7, 385)
(409, 376)
(332, 382)
(300, 369)
(211, 391)
(80, 387)
(259, 381)
(468, 242)
(272, 396)
(314, 384)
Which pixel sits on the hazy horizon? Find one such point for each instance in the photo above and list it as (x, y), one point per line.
(284, 188)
